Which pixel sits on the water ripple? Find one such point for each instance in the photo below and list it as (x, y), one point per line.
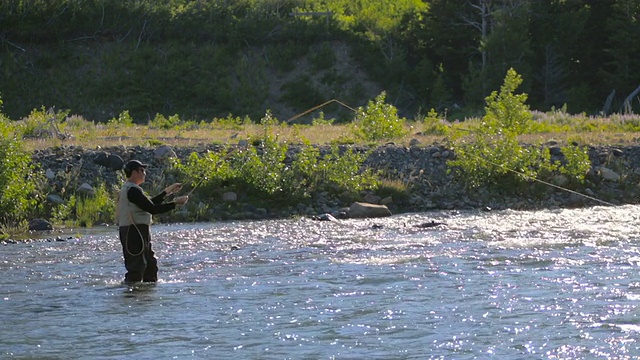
(507, 284)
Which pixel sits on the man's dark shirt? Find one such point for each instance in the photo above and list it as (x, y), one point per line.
(152, 206)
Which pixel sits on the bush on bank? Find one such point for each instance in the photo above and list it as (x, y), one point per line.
(263, 172)
(488, 153)
(19, 195)
(491, 155)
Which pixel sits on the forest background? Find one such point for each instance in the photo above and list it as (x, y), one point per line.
(204, 59)
(270, 73)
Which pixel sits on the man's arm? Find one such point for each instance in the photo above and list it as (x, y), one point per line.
(158, 199)
(137, 197)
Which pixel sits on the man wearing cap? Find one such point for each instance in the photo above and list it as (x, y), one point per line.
(133, 213)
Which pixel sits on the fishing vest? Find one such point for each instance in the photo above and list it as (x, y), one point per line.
(128, 211)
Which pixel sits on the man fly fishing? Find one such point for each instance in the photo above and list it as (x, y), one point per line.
(134, 214)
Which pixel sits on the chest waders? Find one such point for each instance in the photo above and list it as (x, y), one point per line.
(140, 263)
(126, 239)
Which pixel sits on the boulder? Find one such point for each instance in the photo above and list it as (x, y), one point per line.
(50, 174)
(324, 217)
(114, 162)
(163, 154)
(243, 143)
(608, 174)
(229, 196)
(55, 199)
(366, 210)
(555, 150)
(86, 189)
(101, 158)
(110, 161)
(40, 225)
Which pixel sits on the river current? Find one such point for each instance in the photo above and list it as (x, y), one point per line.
(552, 284)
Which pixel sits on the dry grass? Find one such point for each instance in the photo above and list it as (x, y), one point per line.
(101, 136)
(91, 136)
(585, 138)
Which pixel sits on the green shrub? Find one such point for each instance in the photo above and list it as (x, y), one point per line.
(577, 163)
(209, 169)
(19, 196)
(337, 171)
(264, 172)
(123, 119)
(42, 122)
(260, 172)
(65, 212)
(154, 142)
(261, 167)
(96, 208)
(433, 125)
(162, 122)
(231, 122)
(321, 120)
(492, 156)
(506, 111)
(379, 121)
(305, 170)
(343, 170)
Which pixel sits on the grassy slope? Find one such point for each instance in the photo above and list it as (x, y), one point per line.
(100, 79)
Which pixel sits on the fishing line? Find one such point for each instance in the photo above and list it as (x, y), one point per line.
(318, 107)
(546, 183)
(126, 239)
(502, 166)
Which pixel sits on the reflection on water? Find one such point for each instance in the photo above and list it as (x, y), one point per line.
(546, 284)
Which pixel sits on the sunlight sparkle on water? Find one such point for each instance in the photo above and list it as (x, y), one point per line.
(504, 284)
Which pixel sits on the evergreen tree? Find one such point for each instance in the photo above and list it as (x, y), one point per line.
(622, 72)
(587, 91)
(448, 40)
(508, 44)
(555, 28)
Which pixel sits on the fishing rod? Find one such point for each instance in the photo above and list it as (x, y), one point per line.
(204, 178)
(196, 186)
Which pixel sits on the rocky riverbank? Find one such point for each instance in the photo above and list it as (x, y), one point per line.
(613, 179)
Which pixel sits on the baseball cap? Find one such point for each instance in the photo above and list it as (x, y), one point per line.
(132, 165)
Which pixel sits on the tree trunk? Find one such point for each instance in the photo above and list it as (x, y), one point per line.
(628, 108)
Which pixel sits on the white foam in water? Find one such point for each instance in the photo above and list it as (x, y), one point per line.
(512, 284)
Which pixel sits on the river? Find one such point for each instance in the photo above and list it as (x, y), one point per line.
(551, 284)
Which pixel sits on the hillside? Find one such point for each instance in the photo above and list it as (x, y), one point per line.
(209, 58)
(99, 80)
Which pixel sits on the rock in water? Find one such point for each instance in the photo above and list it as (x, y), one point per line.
(429, 224)
(366, 210)
(324, 217)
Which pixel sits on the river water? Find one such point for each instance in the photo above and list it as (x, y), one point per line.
(553, 284)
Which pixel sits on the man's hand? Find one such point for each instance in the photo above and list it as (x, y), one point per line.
(181, 200)
(173, 188)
